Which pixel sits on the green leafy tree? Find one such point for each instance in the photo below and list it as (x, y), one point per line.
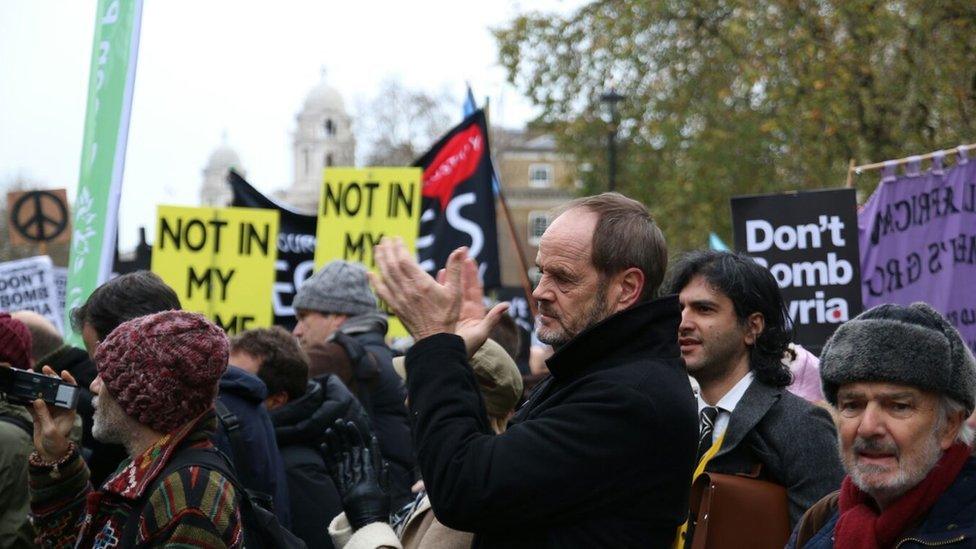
(731, 97)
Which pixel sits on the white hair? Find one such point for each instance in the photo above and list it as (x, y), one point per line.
(950, 406)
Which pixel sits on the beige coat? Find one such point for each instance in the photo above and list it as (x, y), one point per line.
(421, 530)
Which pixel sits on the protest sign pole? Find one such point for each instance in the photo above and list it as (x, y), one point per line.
(524, 270)
(110, 84)
(519, 251)
(858, 170)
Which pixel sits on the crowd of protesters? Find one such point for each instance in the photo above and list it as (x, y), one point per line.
(328, 437)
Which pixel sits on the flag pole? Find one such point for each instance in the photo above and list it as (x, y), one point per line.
(524, 270)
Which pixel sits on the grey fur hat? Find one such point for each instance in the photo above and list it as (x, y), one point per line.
(340, 287)
(911, 345)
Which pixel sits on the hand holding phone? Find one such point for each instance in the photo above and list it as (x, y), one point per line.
(52, 423)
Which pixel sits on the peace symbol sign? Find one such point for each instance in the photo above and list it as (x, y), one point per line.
(39, 216)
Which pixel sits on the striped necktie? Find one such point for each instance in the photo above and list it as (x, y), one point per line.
(707, 417)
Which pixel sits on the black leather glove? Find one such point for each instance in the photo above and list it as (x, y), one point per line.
(358, 470)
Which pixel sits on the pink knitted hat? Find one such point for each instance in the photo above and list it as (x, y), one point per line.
(15, 342)
(163, 368)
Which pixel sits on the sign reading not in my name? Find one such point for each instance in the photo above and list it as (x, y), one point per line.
(220, 261)
(358, 207)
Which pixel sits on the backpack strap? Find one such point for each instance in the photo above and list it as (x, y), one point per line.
(232, 427)
(21, 422)
(240, 458)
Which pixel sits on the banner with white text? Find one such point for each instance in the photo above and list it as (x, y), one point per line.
(808, 241)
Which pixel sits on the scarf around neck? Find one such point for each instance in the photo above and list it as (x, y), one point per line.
(861, 526)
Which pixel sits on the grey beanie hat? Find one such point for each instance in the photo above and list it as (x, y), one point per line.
(340, 287)
(911, 345)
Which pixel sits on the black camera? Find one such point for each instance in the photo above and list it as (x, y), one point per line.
(23, 387)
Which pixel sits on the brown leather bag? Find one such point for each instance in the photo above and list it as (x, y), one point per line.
(732, 512)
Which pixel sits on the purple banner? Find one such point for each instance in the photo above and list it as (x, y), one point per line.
(917, 237)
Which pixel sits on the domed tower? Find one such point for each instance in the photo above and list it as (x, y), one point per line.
(323, 138)
(215, 191)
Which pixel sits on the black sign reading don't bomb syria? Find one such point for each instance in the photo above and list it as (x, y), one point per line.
(808, 241)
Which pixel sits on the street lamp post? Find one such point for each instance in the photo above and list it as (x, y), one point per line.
(611, 98)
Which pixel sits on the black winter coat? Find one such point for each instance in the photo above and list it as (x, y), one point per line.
(385, 404)
(300, 428)
(601, 455)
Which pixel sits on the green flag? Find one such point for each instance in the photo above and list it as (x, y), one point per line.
(95, 217)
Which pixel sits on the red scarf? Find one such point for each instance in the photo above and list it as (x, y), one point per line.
(861, 527)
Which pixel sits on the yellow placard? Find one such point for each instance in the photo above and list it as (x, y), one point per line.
(358, 207)
(220, 261)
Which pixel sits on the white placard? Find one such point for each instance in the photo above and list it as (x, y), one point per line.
(29, 284)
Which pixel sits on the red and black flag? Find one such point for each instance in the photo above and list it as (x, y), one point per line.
(458, 201)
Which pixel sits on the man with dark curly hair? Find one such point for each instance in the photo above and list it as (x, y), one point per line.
(734, 331)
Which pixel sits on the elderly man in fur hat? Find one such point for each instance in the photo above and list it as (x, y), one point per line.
(903, 383)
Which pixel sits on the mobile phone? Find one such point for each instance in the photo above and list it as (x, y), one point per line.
(23, 387)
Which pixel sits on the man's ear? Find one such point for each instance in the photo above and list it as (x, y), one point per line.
(276, 400)
(952, 425)
(755, 324)
(630, 284)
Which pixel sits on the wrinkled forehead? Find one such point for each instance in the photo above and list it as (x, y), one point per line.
(572, 232)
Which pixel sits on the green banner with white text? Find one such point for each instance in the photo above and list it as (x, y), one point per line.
(95, 217)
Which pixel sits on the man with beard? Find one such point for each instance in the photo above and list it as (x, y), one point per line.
(903, 382)
(601, 454)
(240, 394)
(154, 395)
(733, 334)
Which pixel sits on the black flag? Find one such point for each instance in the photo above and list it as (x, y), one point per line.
(296, 247)
(458, 202)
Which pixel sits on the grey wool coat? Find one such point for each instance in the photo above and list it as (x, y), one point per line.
(793, 442)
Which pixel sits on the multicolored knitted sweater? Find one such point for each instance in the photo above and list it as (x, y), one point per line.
(191, 507)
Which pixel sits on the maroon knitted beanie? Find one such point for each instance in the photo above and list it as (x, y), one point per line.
(163, 368)
(15, 342)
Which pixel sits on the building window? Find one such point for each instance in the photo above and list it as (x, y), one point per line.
(328, 159)
(538, 221)
(540, 175)
(329, 127)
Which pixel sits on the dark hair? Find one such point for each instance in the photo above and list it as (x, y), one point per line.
(506, 334)
(123, 298)
(625, 236)
(752, 289)
(284, 366)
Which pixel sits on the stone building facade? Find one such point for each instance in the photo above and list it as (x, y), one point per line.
(323, 137)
